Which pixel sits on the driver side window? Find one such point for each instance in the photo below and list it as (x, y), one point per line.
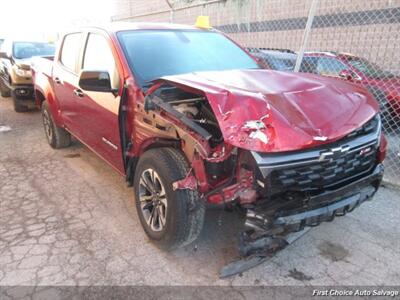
(98, 56)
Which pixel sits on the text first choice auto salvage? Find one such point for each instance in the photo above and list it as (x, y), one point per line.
(356, 292)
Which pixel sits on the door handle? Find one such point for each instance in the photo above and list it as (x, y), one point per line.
(79, 93)
(57, 80)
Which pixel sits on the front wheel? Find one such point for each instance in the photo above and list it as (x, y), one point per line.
(57, 137)
(171, 219)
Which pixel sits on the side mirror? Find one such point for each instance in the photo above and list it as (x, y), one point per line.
(95, 81)
(346, 74)
(4, 55)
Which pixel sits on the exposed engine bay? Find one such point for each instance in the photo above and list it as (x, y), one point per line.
(217, 166)
(195, 108)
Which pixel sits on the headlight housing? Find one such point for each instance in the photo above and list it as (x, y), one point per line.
(372, 125)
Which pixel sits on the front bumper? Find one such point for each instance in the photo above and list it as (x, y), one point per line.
(23, 92)
(342, 200)
(269, 235)
(325, 165)
(320, 208)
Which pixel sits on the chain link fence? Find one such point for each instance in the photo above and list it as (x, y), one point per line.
(356, 40)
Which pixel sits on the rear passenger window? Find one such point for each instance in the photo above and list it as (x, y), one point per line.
(70, 51)
(98, 56)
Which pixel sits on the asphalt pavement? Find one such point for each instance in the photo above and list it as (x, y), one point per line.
(66, 218)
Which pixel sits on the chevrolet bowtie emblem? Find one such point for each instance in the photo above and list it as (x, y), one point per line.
(333, 153)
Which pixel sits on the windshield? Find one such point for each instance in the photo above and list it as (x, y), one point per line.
(369, 69)
(23, 50)
(152, 54)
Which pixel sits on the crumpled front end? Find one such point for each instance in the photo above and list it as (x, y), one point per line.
(300, 183)
(292, 150)
(301, 189)
(270, 111)
(238, 125)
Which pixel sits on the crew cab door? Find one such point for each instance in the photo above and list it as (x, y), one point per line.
(65, 81)
(98, 111)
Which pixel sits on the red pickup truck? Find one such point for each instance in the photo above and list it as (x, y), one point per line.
(384, 85)
(190, 119)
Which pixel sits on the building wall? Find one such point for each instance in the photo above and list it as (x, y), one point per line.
(368, 28)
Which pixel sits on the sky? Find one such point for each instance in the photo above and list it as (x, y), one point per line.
(44, 18)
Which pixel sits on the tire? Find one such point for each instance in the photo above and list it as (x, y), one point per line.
(18, 107)
(4, 91)
(183, 210)
(57, 137)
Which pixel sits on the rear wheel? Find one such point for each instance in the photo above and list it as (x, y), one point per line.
(57, 137)
(171, 219)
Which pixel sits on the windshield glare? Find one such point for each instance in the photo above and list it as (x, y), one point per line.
(153, 54)
(23, 50)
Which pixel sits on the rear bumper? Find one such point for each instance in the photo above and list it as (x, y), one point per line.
(321, 208)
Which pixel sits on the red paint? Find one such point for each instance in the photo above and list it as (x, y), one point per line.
(200, 172)
(243, 190)
(295, 107)
(295, 111)
(382, 149)
(390, 86)
(220, 153)
(189, 182)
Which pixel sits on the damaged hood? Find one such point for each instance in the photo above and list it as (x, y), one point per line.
(268, 111)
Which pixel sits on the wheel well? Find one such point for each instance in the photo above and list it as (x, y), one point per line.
(132, 160)
(39, 97)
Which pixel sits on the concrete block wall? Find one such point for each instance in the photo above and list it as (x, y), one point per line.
(367, 28)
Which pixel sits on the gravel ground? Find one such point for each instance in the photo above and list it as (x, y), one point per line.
(68, 219)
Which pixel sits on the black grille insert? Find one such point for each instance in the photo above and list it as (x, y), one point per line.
(324, 174)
